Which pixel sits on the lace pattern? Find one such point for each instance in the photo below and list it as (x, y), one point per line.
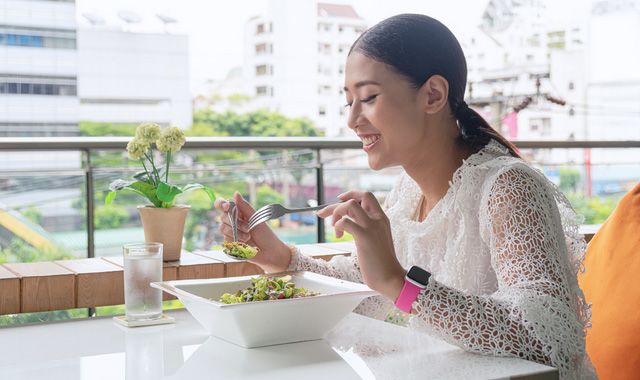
(504, 250)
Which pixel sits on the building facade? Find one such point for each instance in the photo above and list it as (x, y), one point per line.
(38, 68)
(295, 57)
(129, 77)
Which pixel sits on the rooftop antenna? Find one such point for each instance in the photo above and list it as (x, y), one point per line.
(93, 18)
(166, 19)
(129, 17)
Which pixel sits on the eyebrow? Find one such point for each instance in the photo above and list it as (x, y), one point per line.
(363, 83)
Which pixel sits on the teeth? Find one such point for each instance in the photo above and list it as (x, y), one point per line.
(368, 140)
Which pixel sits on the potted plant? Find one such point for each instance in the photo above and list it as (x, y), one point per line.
(162, 220)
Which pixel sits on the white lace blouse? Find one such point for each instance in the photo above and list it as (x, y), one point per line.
(504, 250)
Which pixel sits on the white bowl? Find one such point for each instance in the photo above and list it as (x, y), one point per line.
(264, 323)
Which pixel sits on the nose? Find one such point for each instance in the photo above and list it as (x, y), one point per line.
(355, 112)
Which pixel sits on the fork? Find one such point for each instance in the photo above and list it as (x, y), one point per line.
(274, 211)
(233, 216)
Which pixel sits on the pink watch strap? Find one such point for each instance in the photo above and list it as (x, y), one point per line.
(408, 294)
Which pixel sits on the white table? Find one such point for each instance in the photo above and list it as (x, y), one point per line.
(359, 347)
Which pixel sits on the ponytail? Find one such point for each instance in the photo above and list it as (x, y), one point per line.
(475, 132)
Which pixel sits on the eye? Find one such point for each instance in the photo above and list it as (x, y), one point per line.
(348, 104)
(367, 100)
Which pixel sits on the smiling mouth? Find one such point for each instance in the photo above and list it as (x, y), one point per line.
(369, 140)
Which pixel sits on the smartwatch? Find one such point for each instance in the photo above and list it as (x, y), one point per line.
(415, 281)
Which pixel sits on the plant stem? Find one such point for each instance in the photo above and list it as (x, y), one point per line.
(150, 158)
(167, 172)
(155, 170)
(146, 171)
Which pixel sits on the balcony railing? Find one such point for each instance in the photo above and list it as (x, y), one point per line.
(89, 145)
(324, 157)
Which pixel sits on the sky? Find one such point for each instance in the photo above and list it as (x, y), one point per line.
(215, 27)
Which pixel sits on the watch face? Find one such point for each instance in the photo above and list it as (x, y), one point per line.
(419, 275)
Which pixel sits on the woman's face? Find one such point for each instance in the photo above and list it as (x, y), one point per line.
(385, 112)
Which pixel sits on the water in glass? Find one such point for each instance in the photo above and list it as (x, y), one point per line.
(142, 265)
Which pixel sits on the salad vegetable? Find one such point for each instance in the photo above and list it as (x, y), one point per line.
(239, 250)
(264, 289)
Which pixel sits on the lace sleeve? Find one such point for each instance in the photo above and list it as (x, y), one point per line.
(536, 313)
(344, 268)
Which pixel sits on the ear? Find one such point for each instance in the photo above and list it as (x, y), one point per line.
(436, 91)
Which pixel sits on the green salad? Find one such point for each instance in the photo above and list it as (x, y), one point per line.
(238, 249)
(264, 289)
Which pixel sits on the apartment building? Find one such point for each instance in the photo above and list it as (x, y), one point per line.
(127, 77)
(38, 68)
(587, 58)
(294, 60)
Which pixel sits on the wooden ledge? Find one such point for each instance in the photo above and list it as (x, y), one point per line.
(84, 283)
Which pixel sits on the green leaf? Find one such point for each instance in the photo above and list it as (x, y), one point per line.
(147, 190)
(194, 186)
(143, 177)
(110, 197)
(119, 184)
(167, 193)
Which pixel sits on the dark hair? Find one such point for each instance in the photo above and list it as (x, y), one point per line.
(418, 47)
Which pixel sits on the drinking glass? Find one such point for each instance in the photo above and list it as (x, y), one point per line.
(142, 266)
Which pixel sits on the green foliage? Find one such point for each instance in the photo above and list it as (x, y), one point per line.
(88, 128)
(110, 216)
(569, 179)
(596, 209)
(42, 316)
(331, 237)
(21, 252)
(33, 214)
(255, 123)
(266, 195)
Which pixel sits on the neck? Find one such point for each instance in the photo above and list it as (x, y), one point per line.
(434, 168)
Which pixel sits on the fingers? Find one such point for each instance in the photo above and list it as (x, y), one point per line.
(221, 204)
(346, 224)
(327, 211)
(367, 200)
(245, 210)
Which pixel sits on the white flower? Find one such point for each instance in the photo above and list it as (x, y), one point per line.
(171, 138)
(137, 148)
(148, 132)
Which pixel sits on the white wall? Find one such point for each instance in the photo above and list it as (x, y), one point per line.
(134, 77)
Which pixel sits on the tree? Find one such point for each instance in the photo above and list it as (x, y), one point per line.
(110, 216)
(569, 179)
(266, 195)
(254, 123)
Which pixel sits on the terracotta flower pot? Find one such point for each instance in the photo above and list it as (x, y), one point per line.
(166, 226)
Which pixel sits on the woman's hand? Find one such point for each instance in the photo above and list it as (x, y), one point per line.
(273, 255)
(361, 216)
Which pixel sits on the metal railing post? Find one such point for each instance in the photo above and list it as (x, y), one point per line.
(90, 226)
(320, 194)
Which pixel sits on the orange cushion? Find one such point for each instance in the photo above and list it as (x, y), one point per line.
(611, 282)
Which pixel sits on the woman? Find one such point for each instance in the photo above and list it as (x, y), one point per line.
(492, 246)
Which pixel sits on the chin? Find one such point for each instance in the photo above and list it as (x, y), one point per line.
(376, 165)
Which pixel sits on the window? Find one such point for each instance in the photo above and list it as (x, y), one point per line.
(261, 48)
(259, 28)
(261, 90)
(261, 70)
(20, 84)
(541, 125)
(324, 48)
(322, 111)
(570, 85)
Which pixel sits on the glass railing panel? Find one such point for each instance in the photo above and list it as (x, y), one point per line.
(42, 200)
(593, 179)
